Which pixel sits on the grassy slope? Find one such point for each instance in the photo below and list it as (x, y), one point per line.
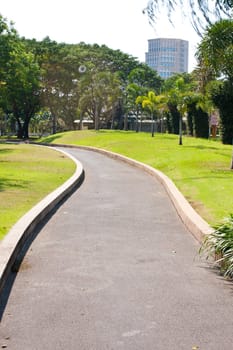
(27, 174)
(199, 168)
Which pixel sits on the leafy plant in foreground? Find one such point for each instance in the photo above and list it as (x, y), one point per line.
(219, 245)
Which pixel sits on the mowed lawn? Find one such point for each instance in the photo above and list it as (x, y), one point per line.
(27, 174)
(200, 168)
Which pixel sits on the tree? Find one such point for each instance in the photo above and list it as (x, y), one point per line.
(215, 51)
(146, 78)
(215, 54)
(152, 103)
(100, 92)
(203, 12)
(134, 90)
(222, 97)
(179, 97)
(60, 81)
(172, 88)
(64, 88)
(141, 80)
(184, 100)
(21, 76)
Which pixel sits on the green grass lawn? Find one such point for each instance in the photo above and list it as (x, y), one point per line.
(27, 174)
(199, 168)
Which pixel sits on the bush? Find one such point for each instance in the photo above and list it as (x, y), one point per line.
(219, 245)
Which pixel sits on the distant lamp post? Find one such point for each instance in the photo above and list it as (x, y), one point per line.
(82, 69)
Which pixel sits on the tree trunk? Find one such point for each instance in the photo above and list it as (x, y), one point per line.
(180, 130)
(54, 124)
(19, 128)
(126, 122)
(25, 128)
(96, 118)
(232, 158)
(152, 126)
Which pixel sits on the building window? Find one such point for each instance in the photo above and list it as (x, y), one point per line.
(171, 55)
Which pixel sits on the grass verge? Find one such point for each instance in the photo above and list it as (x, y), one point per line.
(200, 168)
(28, 174)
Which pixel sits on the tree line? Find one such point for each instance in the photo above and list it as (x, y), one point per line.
(56, 84)
(49, 87)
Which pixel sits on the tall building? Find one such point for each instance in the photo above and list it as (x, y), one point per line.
(167, 56)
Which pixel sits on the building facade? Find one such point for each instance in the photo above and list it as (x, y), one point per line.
(168, 56)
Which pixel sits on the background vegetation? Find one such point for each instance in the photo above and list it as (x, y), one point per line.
(47, 87)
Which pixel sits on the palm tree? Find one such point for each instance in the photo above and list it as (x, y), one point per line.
(180, 96)
(152, 103)
(215, 52)
(215, 55)
(134, 90)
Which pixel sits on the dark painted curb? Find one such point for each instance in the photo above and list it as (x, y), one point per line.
(13, 242)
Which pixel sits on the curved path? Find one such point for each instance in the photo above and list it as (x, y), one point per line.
(114, 268)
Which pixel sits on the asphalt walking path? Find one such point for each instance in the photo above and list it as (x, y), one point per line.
(114, 268)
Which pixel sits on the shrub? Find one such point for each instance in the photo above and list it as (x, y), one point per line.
(219, 245)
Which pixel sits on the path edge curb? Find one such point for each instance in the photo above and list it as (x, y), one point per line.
(12, 244)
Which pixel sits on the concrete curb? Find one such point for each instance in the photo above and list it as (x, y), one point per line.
(191, 219)
(12, 244)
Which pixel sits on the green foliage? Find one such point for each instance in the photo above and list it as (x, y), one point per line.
(152, 104)
(98, 93)
(219, 245)
(178, 92)
(146, 78)
(222, 96)
(173, 117)
(216, 48)
(198, 121)
(45, 75)
(20, 73)
(215, 55)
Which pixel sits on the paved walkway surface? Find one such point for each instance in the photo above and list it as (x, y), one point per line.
(114, 268)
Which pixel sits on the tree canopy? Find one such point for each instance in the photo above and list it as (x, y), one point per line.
(19, 76)
(41, 83)
(42, 79)
(215, 51)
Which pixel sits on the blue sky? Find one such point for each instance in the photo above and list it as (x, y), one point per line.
(119, 24)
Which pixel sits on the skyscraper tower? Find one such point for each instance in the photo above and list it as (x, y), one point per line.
(167, 56)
